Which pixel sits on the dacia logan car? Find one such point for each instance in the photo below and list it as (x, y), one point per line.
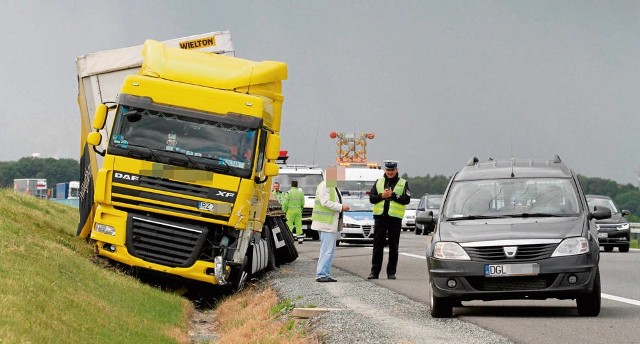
(514, 229)
(614, 231)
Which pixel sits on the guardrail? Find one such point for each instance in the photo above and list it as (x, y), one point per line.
(635, 231)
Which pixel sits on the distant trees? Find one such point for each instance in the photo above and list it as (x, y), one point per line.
(427, 184)
(53, 170)
(626, 196)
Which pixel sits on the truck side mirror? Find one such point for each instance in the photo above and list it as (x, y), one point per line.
(272, 150)
(100, 116)
(271, 169)
(94, 138)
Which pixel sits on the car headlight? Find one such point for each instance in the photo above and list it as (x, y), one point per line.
(623, 226)
(449, 250)
(571, 247)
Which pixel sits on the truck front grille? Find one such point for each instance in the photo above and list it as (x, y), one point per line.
(162, 242)
(158, 194)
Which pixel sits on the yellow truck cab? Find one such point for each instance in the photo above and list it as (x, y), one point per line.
(186, 156)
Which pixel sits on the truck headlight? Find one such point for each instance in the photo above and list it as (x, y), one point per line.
(104, 229)
(571, 247)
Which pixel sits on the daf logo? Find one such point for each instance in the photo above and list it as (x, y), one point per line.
(225, 194)
(510, 251)
(124, 176)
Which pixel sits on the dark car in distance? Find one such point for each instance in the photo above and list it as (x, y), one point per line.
(514, 229)
(428, 203)
(614, 231)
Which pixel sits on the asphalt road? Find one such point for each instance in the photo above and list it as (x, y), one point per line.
(523, 321)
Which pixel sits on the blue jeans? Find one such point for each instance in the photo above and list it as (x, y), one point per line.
(327, 250)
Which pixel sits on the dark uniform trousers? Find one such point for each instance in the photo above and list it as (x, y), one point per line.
(385, 227)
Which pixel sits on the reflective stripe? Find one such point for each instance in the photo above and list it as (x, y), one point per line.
(295, 198)
(395, 209)
(321, 213)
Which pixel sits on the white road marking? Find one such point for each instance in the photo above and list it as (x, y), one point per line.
(604, 296)
(621, 299)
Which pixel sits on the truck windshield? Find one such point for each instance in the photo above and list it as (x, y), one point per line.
(206, 144)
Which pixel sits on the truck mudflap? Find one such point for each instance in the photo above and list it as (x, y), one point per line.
(284, 245)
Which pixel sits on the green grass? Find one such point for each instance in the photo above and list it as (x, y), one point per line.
(52, 292)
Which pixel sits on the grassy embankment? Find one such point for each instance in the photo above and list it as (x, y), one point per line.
(51, 291)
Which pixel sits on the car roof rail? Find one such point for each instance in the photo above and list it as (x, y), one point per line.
(473, 161)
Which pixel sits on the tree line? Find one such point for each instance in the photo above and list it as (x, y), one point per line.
(627, 196)
(53, 170)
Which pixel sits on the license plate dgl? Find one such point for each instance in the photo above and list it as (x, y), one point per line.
(502, 270)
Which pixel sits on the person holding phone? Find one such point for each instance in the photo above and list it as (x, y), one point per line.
(390, 196)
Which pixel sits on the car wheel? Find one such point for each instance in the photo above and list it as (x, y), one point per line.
(418, 231)
(623, 248)
(337, 242)
(440, 307)
(589, 303)
(608, 248)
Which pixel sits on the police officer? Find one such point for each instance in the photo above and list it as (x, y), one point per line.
(390, 196)
(292, 205)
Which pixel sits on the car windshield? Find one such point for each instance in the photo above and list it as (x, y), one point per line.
(413, 204)
(358, 203)
(434, 202)
(602, 202)
(511, 198)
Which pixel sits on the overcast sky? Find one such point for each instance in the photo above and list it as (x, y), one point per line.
(436, 81)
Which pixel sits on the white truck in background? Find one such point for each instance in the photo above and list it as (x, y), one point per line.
(308, 178)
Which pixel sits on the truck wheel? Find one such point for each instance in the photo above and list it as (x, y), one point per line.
(589, 303)
(623, 248)
(240, 274)
(608, 248)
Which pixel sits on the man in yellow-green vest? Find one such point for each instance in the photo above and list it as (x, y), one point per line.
(390, 196)
(277, 194)
(293, 202)
(327, 220)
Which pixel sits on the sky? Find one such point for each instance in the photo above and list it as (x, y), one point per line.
(437, 82)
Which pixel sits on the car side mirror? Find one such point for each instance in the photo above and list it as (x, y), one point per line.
(600, 213)
(625, 213)
(425, 218)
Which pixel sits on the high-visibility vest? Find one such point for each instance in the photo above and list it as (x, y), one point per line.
(395, 209)
(295, 198)
(277, 195)
(320, 212)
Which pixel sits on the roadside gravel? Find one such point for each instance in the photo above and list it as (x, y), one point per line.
(366, 312)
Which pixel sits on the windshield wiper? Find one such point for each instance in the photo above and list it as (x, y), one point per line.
(474, 217)
(138, 154)
(226, 165)
(186, 163)
(538, 215)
